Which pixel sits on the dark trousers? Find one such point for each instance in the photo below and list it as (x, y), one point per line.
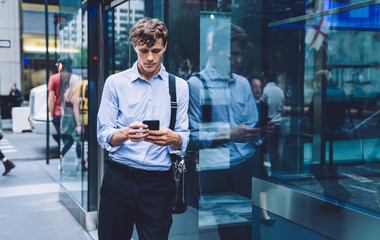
(68, 141)
(57, 124)
(131, 196)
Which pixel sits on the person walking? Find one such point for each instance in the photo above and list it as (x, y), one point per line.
(8, 164)
(137, 183)
(56, 82)
(71, 126)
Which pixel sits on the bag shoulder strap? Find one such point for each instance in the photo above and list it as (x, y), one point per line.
(173, 101)
(207, 105)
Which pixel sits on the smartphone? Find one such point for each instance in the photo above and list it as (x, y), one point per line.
(266, 120)
(152, 124)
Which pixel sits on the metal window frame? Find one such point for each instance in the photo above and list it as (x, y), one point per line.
(324, 13)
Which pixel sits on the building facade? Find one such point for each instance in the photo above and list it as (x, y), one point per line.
(10, 48)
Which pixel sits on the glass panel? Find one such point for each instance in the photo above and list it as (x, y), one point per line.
(74, 99)
(120, 21)
(341, 107)
(222, 112)
(314, 77)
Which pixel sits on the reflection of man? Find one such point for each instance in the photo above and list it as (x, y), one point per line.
(137, 182)
(223, 115)
(274, 97)
(54, 88)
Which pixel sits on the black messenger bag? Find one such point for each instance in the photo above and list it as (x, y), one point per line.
(179, 204)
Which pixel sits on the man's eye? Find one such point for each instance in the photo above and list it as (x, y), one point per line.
(156, 51)
(143, 51)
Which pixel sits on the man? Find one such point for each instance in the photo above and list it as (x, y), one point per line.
(137, 182)
(16, 94)
(54, 98)
(274, 97)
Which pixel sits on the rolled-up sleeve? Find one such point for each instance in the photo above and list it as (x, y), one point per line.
(182, 120)
(107, 116)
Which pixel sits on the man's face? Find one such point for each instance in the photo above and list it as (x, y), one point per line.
(236, 56)
(149, 58)
(256, 88)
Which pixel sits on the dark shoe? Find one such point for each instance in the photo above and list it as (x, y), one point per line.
(268, 222)
(8, 166)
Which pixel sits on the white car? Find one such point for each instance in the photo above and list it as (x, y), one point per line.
(38, 105)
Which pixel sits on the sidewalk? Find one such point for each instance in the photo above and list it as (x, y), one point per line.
(29, 198)
(30, 208)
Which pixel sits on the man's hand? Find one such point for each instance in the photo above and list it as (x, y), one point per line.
(136, 132)
(268, 128)
(244, 133)
(164, 137)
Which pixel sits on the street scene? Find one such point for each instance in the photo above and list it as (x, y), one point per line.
(29, 193)
(189, 119)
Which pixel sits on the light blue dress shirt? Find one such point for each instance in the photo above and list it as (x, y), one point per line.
(233, 104)
(128, 98)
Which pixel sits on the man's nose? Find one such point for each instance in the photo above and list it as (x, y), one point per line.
(150, 56)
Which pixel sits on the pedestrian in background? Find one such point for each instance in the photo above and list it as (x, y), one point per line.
(16, 95)
(71, 127)
(137, 184)
(56, 82)
(8, 164)
(274, 97)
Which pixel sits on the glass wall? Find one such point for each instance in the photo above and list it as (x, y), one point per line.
(311, 69)
(74, 100)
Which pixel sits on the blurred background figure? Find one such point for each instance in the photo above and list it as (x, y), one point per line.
(70, 126)
(8, 164)
(56, 82)
(274, 97)
(262, 166)
(16, 95)
(332, 100)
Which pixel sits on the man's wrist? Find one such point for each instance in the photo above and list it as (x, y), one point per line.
(126, 133)
(177, 140)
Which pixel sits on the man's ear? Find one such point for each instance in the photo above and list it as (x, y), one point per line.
(165, 45)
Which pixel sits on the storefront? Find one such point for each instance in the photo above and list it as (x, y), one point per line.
(315, 177)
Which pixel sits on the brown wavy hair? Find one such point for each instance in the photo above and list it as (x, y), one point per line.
(147, 31)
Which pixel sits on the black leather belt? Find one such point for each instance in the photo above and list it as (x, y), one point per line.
(125, 169)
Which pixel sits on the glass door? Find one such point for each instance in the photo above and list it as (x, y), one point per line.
(74, 100)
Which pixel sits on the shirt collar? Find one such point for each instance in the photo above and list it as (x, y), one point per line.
(214, 75)
(135, 75)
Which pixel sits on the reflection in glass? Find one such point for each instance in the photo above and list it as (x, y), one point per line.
(326, 140)
(74, 99)
(223, 115)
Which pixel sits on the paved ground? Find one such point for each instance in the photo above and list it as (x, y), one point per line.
(29, 204)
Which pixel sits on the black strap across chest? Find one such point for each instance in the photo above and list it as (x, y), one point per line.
(173, 101)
